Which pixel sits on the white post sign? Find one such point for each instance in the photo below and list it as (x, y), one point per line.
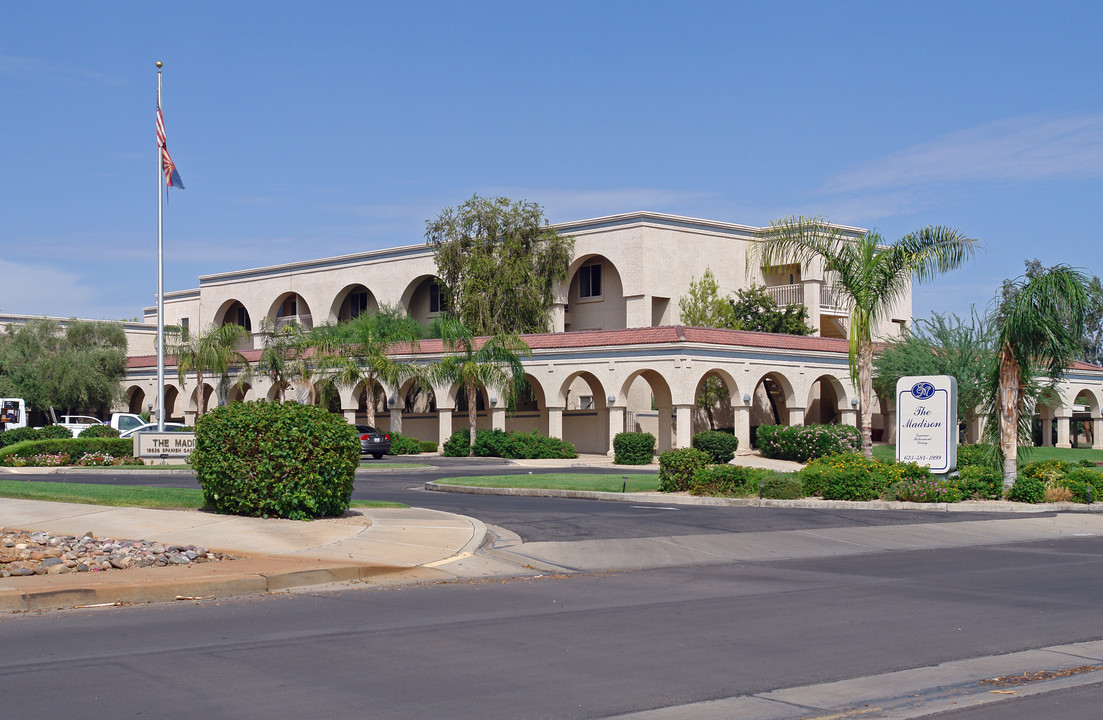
(926, 421)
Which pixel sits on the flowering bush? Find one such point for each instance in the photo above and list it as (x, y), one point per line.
(927, 490)
(807, 442)
(980, 483)
(43, 460)
(102, 459)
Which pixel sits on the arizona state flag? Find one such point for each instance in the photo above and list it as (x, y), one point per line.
(172, 177)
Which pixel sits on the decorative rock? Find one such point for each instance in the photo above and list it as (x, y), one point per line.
(38, 553)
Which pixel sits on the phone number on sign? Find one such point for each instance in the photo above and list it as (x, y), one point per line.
(920, 458)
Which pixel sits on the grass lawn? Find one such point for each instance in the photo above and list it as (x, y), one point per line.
(887, 453)
(637, 482)
(124, 495)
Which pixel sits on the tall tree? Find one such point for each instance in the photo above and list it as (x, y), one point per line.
(1039, 323)
(283, 355)
(942, 345)
(754, 309)
(360, 352)
(702, 306)
(213, 351)
(499, 263)
(869, 274)
(487, 362)
(75, 367)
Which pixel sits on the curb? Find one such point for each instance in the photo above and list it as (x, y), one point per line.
(970, 506)
(251, 576)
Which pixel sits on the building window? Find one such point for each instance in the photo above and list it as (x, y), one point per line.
(436, 298)
(585, 402)
(243, 318)
(358, 303)
(184, 329)
(589, 281)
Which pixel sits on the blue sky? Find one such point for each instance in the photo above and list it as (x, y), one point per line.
(307, 130)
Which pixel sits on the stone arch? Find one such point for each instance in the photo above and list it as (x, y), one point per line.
(649, 406)
(378, 399)
(595, 295)
(827, 401)
(773, 402)
(351, 301)
(580, 402)
(209, 394)
(135, 400)
(233, 311)
(719, 413)
(240, 392)
(1085, 412)
(172, 401)
(422, 298)
(291, 307)
(530, 409)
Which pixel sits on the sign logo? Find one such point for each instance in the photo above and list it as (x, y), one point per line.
(922, 390)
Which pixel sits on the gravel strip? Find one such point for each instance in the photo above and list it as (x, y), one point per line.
(37, 552)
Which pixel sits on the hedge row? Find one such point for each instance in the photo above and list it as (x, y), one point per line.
(18, 435)
(802, 443)
(512, 445)
(633, 448)
(73, 447)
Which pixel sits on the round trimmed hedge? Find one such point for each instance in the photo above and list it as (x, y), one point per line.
(267, 459)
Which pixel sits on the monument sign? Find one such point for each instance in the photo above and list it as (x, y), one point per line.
(926, 421)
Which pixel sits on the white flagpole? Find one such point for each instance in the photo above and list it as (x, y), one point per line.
(160, 276)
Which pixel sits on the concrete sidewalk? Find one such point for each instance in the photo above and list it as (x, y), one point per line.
(381, 544)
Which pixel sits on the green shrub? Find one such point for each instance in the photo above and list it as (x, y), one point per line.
(18, 435)
(779, 486)
(74, 447)
(1048, 471)
(99, 431)
(512, 445)
(55, 432)
(927, 490)
(402, 445)
(428, 446)
(633, 448)
(977, 482)
(726, 480)
(458, 445)
(276, 460)
(676, 468)
(976, 456)
(802, 443)
(1085, 462)
(1084, 484)
(1028, 489)
(846, 477)
(721, 446)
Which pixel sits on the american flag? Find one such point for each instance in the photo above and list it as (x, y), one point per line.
(172, 177)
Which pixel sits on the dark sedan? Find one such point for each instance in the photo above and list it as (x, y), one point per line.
(373, 442)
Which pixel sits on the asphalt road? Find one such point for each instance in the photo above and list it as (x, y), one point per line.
(559, 647)
(555, 519)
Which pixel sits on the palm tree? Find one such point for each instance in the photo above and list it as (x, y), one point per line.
(481, 362)
(211, 351)
(868, 275)
(360, 350)
(1039, 321)
(282, 354)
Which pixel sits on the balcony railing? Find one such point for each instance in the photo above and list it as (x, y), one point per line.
(306, 322)
(787, 294)
(794, 295)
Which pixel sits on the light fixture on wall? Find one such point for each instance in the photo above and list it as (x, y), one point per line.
(610, 400)
(746, 398)
(853, 402)
(391, 401)
(493, 399)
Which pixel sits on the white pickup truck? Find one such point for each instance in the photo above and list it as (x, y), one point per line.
(120, 421)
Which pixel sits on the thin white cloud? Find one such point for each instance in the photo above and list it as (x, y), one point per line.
(31, 68)
(34, 289)
(569, 204)
(1025, 148)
